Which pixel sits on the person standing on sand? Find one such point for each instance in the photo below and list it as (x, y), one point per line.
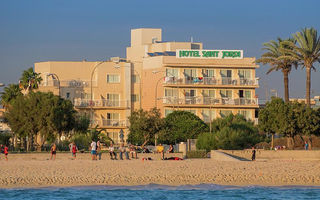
(70, 148)
(99, 149)
(160, 149)
(53, 151)
(93, 150)
(6, 152)
(306, 145)
(253, 157)
(74, 150)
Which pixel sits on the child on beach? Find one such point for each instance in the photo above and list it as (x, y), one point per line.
(74, 150)
(6, 152)
(53, 151)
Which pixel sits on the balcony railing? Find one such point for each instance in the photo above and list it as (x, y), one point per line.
(69, 83)
(210, 101)
(211, 81)
(110, 123)
(99, 103)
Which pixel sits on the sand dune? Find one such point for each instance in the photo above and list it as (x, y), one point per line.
(34, 170)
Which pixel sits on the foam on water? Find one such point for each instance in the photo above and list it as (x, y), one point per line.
(154, 191)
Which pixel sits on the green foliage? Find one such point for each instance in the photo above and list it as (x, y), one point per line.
(30, 80)
(206, 141)
(11, 92)
(232, 132)
(82, 123)
(144, 125)
(82, 141)
(180, 126)
(5, 138)
(289, 119)
(40, 114)
(197, 154)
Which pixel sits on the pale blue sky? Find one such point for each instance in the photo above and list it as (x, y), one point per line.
(42, 30)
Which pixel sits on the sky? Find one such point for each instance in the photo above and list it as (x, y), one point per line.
(72, 30)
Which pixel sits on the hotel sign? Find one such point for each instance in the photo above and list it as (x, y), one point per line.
(210, 54)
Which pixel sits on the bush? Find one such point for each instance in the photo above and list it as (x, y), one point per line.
(232, 132)
(82, 141)
(205, 141)
(5, 138)
(197, 154)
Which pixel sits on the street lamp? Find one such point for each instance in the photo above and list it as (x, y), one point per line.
(91, 95)
(55, 76)
(140, 81)
(156, 94)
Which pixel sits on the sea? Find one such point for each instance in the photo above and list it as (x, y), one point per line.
(159, 192)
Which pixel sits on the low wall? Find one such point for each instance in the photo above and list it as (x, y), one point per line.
(80, 156)
(217, 155)
(277, 155)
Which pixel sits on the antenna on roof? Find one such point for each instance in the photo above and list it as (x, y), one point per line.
(191, 39)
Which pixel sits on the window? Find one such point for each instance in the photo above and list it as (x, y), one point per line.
(226, 73)
(208, 96)
(167, 112)
(225, 113)
(208, 72)
(246, 113)
(67, 95)
(208, 115)
(135, 78)
(190, 73)
(113, 99)
(113, 119)
(113, 78)
(244, 73)
(171, 92)
(135, 98)
(172, 72)
(247, 94)
(226, 94)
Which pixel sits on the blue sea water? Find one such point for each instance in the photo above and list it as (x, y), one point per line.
(158, 192)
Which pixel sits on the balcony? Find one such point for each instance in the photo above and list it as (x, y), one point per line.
(208, 101)
(207, 81)
(100, 103)
(111, 123)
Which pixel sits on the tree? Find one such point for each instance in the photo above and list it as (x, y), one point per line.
(274, 57)
(40, 117)
(180, 126)
(11, 92)
(268, 118)
(144, 125)
(232, 132)
(29, 80)
(305, 53)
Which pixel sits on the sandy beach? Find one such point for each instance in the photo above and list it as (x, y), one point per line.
(34, 170)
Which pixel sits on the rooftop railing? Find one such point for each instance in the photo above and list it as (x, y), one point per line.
(210, 101)
(69, 83)
(211, 81)
(99, 103)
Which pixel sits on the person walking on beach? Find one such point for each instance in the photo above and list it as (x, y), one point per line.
(53, 152)
(6, 152)
(74, 150)
(93, 150)
(253, 157)
(113, 155)
(70, 148)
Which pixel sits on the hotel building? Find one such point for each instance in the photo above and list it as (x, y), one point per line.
(167, 75)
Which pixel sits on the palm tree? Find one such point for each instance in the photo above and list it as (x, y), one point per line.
(306, 53)
(273, 57)
(11, 92)
(29, 80)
